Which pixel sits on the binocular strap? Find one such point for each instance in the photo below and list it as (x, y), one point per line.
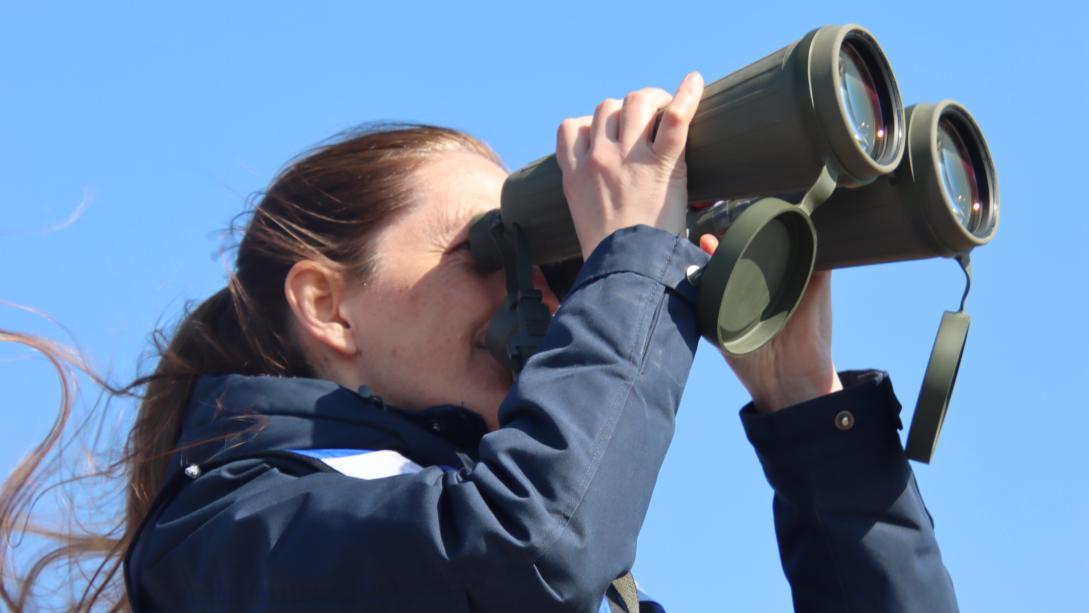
(622, 595)
(941, 375)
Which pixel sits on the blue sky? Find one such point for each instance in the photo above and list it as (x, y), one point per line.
(133, 133)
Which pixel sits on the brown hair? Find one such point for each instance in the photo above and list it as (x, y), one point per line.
(326, 205)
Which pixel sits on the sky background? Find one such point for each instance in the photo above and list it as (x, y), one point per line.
(131, 134)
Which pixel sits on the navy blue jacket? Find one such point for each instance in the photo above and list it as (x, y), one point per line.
(260, 511)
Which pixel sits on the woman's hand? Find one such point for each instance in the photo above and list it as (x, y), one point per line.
(796, 365)
(615, 176)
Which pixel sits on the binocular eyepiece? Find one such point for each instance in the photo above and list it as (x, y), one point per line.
(811, 162)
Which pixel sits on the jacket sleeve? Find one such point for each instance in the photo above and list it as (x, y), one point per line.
(853, 532)
(587, 425)
(543, 521)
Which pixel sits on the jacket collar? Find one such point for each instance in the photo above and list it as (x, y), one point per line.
(238, 415)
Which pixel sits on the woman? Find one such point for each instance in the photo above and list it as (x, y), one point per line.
(329, 432)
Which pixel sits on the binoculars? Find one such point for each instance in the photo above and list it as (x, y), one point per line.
(804, 160)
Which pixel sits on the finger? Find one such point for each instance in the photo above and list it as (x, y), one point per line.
(673, 130)
(582, 138)
(572, 141)
(604, 127)
(709, 242)
(637, 115)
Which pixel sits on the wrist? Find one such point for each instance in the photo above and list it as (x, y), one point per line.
(796, 390)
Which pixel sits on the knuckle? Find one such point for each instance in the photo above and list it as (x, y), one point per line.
(600, 161)
(672, 117)
(607, 105)
(654, 95)
(566, 130)
(569, 131)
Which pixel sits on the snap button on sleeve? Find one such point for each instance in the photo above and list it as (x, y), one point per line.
(693, 274)
(845, 420)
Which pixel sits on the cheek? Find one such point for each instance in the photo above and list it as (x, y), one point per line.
(419, 343)
(435, 324)
(458, 321)
(467, 301)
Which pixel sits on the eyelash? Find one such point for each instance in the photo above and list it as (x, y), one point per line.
(457, 247)
(460, 250)
(463, 250)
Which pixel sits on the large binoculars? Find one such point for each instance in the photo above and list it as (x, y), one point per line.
(803, 160)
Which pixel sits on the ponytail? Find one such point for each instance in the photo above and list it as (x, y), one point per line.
(325, 206)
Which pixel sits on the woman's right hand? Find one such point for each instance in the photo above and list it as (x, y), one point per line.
(615, 176)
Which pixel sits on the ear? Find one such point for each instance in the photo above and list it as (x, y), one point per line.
(316, 295)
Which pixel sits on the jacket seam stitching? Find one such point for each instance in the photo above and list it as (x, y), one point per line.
(634, 372)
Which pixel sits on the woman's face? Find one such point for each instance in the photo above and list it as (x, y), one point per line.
(419, 320)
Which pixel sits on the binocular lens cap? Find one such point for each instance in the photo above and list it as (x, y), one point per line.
(757, 276)
(941, 375)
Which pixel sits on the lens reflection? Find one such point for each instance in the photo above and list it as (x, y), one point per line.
(858, 94)
(959, 176)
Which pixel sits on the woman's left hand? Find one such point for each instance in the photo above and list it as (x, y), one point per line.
(796, 365)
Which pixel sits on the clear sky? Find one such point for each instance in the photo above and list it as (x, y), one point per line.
(132, 134)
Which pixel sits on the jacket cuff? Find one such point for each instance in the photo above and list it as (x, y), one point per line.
(646, 251)
(855, 424)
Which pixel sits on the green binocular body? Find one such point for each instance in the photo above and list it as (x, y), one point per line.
(805, 159)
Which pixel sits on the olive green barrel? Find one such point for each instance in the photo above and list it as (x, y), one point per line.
(941, 201)
(828, 101)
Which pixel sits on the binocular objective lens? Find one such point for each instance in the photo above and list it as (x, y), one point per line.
(858, 93)
(959, 179)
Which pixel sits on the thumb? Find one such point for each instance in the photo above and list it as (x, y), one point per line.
(709, 242)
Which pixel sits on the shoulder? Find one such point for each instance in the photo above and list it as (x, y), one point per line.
(278, 529)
